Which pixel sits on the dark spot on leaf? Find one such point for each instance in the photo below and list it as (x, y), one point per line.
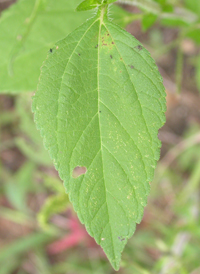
(51, 50)
(121, 59)
(131, 66)
(104, 44)
(113, 43)
(78, 54)
(121, 239)
(139, 47)
(78, 171)
(111, 56)
(108, 34)
(99, 111)
(96, 46)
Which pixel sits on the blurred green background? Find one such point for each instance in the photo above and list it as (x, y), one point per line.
(39, 231)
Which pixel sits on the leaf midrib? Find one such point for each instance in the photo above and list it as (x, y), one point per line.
(101, 149)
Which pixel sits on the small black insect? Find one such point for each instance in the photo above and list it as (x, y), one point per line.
(111, 56)
(51, 50)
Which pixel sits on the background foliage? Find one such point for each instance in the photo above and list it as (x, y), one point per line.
(168, 239)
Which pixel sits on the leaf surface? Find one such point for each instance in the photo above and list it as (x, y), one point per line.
(28, 29)
(99, 105)
(88, 5)
(92, 4)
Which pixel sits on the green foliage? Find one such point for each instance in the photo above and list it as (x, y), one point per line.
(194, 5)
(30, 142)
(17, 187)
(54, 204)
(148, 21)
(92, 4)
(177, 220)
(34, 26)
(17, 248)
(110, 1)
(147, 5)
(122, 17)
(88, 5)
(99, 105)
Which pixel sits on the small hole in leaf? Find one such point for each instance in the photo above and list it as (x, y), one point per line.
(78, 171)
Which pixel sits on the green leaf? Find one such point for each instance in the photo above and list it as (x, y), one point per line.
(88, 5)
(148, 21)
(99, 105)
(110, 1)
(54, 204)
(194, 35)
(17, 188)
(146, 5)
(29, 141)
(92, 4)
(182, 16)
(122, 17)
(28, 29)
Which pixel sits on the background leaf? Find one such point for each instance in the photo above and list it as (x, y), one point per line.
(122, 17)
(17, 188)
(193, 5)
(148, 20)
(28, 29)
(99, 105)
(30, 142)
(54, 204)
(111, 1)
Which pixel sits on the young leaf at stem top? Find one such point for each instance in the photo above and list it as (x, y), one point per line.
(88, 5)
(99, 105)
(92, 4)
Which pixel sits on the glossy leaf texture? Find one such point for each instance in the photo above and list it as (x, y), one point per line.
(99, 105)
(28, 29)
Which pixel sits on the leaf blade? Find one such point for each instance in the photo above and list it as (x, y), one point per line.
(99, 91)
